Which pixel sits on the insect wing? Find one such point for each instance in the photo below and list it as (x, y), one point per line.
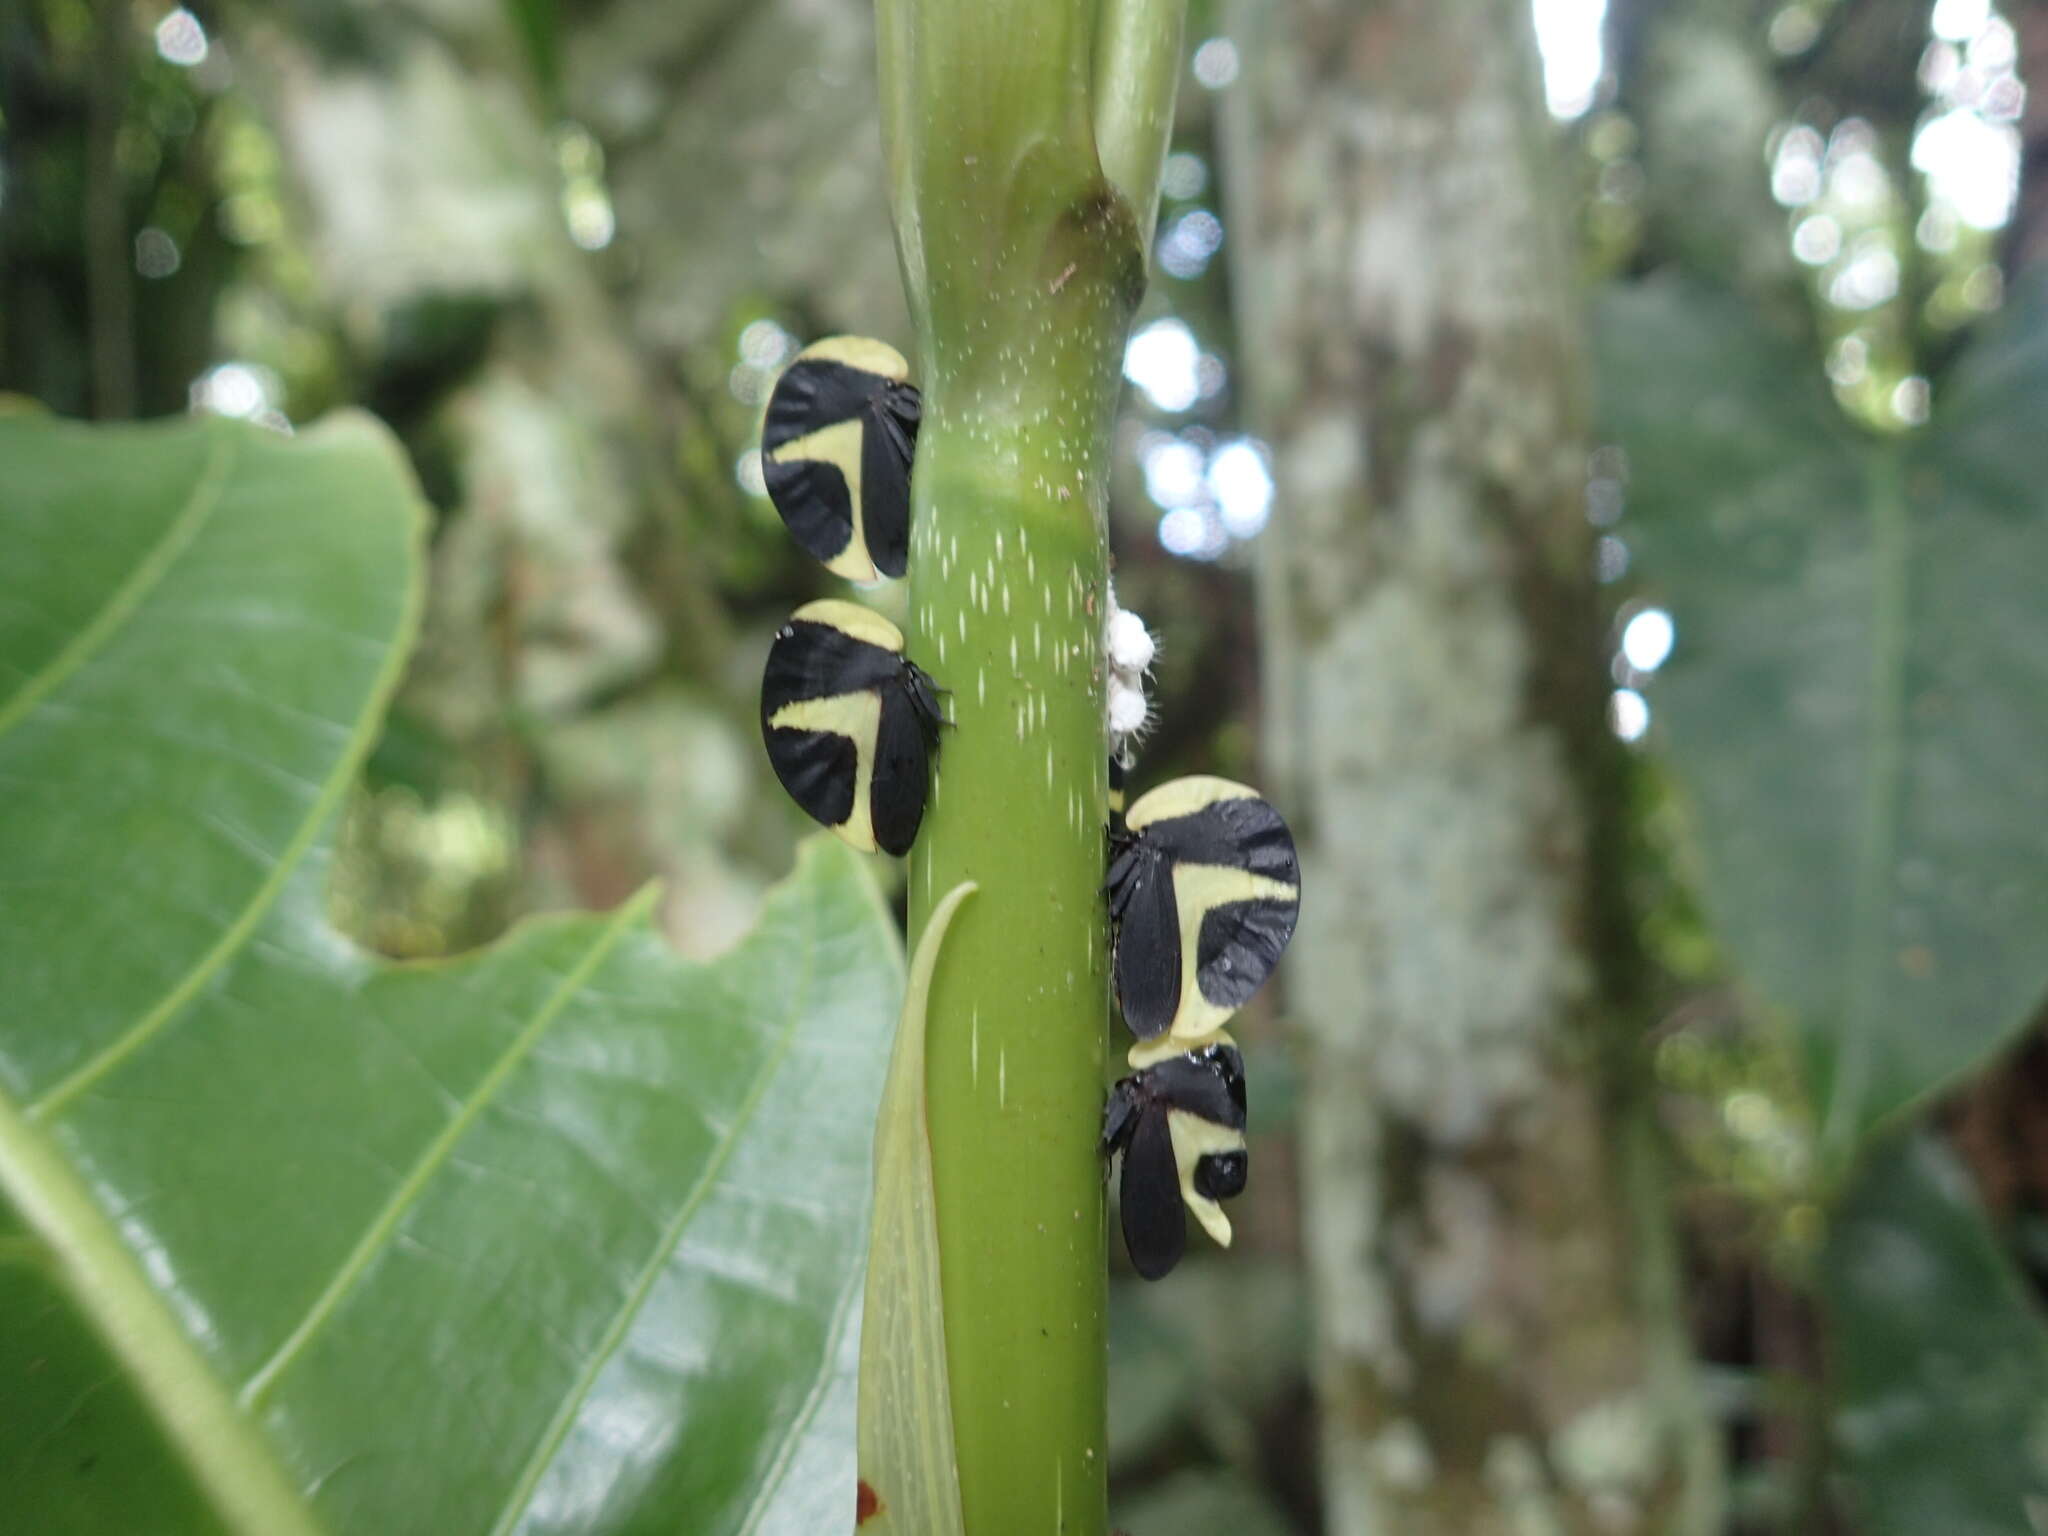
(1237, 887)
(1148, 948)
(1208, 1083)
(1241, 941)
(836, 451)
(902, 771)
(887, 449)
(819, 769)
(1155, 1231)
(823, 698)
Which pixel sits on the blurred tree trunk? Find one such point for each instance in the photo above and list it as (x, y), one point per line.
(1692, 74)
(582, 670)
(1501, 1347)
(2026, 239)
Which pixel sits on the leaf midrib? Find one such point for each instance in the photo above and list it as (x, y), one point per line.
(257, 1388)
(1877, 828)
(232, 1460)
(57, 1098)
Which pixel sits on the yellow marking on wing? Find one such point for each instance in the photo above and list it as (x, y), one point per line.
(861, 623)
(1195, 1138)
(1149, 1053)
(840, 446)
(862, 352)
(857, 717)
(1184, 797)
(1197, 890)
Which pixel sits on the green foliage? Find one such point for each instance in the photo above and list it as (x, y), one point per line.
(1852, 711)
(538, 26)
(1204, 1504)
(565, 1235)
(1941, 1358)
(1853, 706)
(1203, 1361)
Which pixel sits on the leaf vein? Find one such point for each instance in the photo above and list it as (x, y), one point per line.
(122, 604)
(380, 1230)
(643, 1283)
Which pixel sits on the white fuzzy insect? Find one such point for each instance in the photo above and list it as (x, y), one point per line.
(1130, 643)
(1128, 710)
(1128, 647)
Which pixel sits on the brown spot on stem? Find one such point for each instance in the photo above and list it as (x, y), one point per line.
(866, 1503)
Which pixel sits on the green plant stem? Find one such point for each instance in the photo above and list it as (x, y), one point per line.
(1137, 61)
(1023, 261)
(1018, 1025)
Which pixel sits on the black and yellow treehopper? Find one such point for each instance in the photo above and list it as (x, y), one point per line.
(1203, 890)
(836, 451)
(1179, 1124)
(851, 724)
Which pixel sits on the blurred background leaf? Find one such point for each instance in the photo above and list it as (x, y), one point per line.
(1941, 1410)
(1202, 1504)
(1852, 699)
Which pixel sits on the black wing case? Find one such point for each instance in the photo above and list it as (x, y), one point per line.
(813, 661)
(1239, 942)
(818, 769)
(1155, 1231)
(886, 451)
(813, 497)
(1147, 944)
(902, 771)
(1210, 1085)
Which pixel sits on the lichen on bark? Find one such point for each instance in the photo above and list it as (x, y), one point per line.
(1500, 1350)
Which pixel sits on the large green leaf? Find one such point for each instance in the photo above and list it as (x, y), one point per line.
(563, 1236)
(1855, 702)
(1940, 1357)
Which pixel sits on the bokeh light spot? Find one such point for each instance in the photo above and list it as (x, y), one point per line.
(1628, 714)
(1163, 360)
(1647, 639)
(180, 39)
(1216, 63)
(1242, 485)
(1569, 34)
